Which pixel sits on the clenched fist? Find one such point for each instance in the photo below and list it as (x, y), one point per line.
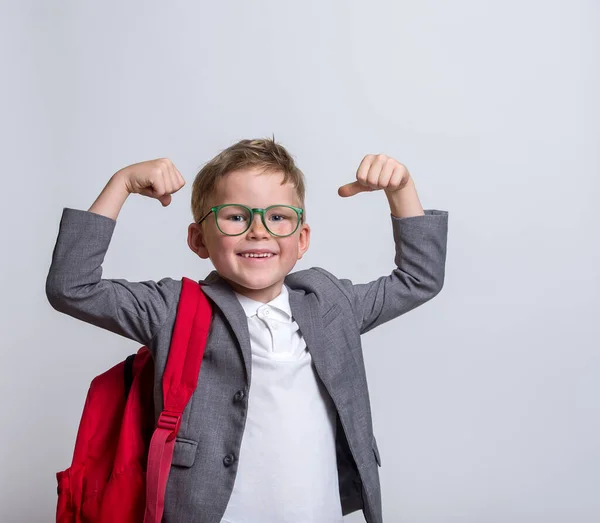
(377, 172)
(154, 178)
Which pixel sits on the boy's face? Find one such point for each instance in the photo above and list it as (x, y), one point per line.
(257, 278)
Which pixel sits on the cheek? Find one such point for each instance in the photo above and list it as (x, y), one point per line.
(222, 247)
(290, 250)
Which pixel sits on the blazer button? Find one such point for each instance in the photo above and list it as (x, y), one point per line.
(228, 460)
(239, 395)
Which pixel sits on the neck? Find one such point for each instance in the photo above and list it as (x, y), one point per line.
(263, 295)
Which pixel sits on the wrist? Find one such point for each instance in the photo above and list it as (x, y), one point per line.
(405, 202)
(120, 181)
(112, 197)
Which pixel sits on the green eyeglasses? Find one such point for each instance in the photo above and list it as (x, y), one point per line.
(234, 219)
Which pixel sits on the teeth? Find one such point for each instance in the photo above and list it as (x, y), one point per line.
(252, 255)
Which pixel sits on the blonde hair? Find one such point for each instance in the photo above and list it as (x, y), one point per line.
(264, 154)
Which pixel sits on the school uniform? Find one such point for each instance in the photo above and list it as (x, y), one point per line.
(279, 427)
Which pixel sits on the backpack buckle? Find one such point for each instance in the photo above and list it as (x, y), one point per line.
(169, 421)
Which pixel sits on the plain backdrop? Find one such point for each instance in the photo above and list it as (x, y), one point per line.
(486, 399)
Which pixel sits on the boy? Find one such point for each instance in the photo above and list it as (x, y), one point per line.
(279, 428)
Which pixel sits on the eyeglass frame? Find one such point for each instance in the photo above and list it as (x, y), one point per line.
(253, 211)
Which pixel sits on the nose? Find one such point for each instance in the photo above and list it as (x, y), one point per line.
(257, 228)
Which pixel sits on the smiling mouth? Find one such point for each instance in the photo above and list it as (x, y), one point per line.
(264, 256)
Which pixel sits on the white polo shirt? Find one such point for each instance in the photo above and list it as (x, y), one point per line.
(287, 470)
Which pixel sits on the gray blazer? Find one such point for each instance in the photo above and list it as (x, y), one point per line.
(332, 314)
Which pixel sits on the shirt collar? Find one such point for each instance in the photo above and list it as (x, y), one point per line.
(281, 303)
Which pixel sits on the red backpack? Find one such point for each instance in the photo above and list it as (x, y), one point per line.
(121, 461)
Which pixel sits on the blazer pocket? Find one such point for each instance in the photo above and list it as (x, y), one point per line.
(184, 452)
(376, 452)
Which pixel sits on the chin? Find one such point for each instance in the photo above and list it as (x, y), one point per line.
(255, 284)
(259, 285)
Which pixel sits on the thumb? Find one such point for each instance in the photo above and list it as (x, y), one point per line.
(350, 189)
(165, 200)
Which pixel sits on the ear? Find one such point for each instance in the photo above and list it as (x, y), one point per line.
(303, 239)
(196, 240)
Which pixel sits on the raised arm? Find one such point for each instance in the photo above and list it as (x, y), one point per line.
(420, 241)
(74, 284)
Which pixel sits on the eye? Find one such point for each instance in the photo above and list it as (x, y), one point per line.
(232, 217)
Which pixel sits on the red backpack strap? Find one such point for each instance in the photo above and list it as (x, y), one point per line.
(180, 378)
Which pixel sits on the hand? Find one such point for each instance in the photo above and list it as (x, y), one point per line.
(153, 178)
(377, 172)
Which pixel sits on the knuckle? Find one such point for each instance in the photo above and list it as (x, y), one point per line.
(163, 165)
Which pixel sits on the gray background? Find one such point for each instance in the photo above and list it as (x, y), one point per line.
(485, 400)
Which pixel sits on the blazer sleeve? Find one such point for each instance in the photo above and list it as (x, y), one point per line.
(75, 286)
(420, 245)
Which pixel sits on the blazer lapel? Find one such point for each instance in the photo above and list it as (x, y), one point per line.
(329, 352)
(221, 293)
(303, 308)
(305, 313)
